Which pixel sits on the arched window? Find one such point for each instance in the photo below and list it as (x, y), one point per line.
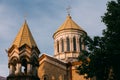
(74, 44)
(62, 45)
(24, 66)
(14, 61)
(57, 46)
(45, 77)
(68, 44)
(80, 44)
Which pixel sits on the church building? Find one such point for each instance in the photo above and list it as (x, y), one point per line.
(24, 62)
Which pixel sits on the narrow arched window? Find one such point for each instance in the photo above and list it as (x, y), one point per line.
(45, 77)
(24, 66)
(57, 46)
(62, 45)
(80, 44)
(74, 44)
(68, 44)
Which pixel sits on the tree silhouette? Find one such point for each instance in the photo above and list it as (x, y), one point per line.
(101, 59)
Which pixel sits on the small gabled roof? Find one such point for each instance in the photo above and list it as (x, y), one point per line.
(52, 58)
(24, 36)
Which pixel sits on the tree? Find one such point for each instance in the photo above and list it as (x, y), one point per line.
(104, 52)
(112, 34)
(94, 60)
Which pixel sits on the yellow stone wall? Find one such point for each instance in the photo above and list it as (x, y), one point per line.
(52, 71)
(76, 76)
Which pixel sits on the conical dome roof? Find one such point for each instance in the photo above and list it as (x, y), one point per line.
(69, 24)
(24, 37)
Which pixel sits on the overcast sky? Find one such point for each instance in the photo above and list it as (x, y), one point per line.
(43, 18)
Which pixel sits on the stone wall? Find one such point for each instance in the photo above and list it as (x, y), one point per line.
(51, 71)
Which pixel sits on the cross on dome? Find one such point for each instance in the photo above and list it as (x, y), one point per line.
(68, 10)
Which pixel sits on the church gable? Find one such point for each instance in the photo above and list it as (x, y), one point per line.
(52, 60)
(52, 68)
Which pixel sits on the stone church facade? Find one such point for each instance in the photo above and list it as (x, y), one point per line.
(24, 62)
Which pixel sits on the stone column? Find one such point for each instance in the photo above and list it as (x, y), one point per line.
(55, 47)
(77, 44)
(80, 44)
(11, 70)
(28, 68)
(18, 68)
(83, 44)
(65, 44)
(60, 46)
(71, 44)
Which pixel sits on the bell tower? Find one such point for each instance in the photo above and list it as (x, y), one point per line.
(23, 56)
(68, 41)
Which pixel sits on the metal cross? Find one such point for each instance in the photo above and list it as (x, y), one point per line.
(25, 16)
(68, 10)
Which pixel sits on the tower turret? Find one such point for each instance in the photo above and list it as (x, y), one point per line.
(23, 56)
(68, 40)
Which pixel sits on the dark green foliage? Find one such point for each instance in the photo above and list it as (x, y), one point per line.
(95, 52)
(104, 52)
(112, 34)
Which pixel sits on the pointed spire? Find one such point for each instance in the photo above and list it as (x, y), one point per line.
(69, 24)
(24, 36)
